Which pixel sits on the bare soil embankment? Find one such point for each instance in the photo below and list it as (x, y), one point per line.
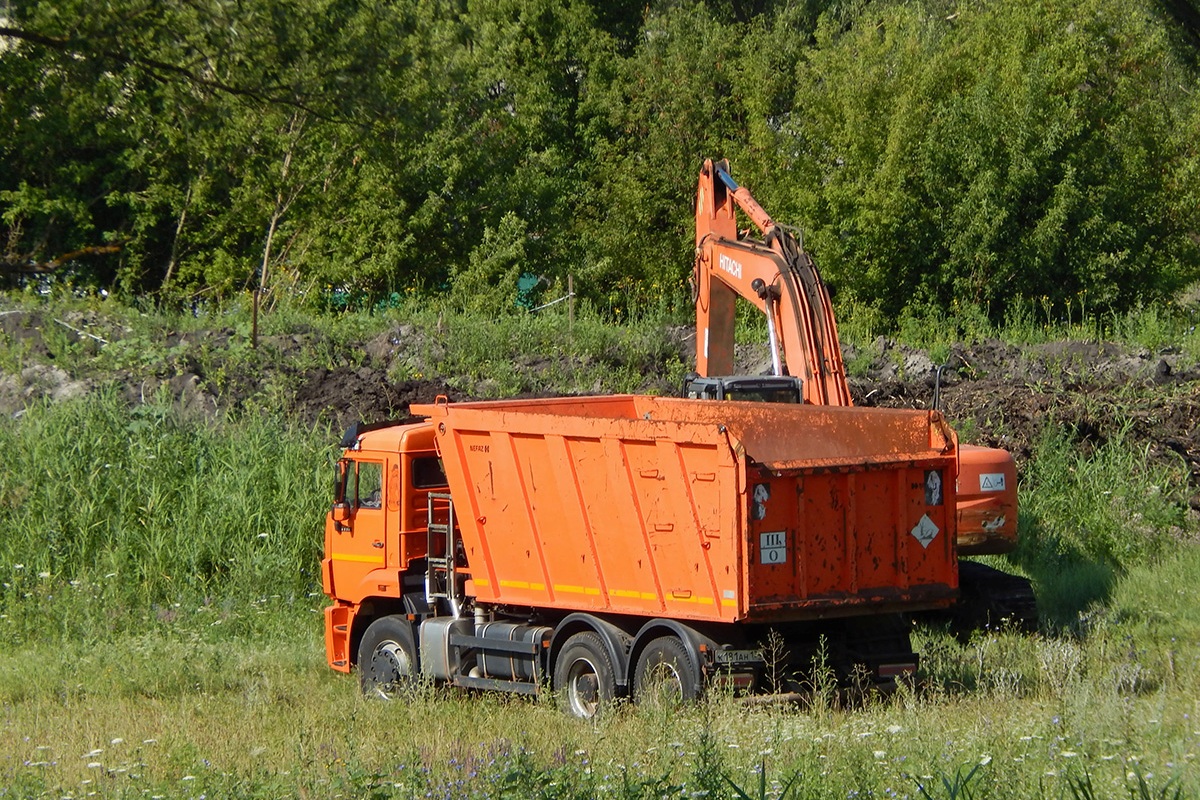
(995, 394)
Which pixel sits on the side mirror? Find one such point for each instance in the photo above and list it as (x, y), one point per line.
(340, 512)
(339, 481)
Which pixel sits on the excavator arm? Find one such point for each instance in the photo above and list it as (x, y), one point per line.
(767, 266)
(772, 271)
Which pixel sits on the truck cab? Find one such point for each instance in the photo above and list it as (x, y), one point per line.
(378, 523)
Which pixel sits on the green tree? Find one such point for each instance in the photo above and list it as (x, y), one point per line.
(113, 109)
(654, 119)
(488, 282)
(1003, 151)
(935, 151)
(698, 86)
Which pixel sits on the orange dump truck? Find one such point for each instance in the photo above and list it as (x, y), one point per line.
(610, 546)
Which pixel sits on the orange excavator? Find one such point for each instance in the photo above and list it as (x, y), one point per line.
(767, 266)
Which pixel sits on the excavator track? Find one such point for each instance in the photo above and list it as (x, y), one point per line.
(990, 599)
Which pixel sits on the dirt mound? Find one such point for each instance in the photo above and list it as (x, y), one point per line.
(345, 395)
(37, 382)
(999, 395)
(23, 332)
(994, 393)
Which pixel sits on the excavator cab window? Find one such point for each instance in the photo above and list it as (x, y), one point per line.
(765, 394)
(754, 389)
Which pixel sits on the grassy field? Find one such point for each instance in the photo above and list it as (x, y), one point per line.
(239, 703)
(161, 637)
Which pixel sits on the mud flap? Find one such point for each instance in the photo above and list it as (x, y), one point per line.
(877, 649)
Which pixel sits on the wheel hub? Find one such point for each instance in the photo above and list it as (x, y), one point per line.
(583, 688)
(389, 666)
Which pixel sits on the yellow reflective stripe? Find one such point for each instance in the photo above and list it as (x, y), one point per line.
(588, 590)
(633, 595)
(537, 587)
(357, 559)
(592, 591)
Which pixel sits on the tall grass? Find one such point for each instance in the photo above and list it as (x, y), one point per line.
(1114, 504)
(124, 507)
(1087, 517)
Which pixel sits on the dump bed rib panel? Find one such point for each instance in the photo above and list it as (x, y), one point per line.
(700, 509)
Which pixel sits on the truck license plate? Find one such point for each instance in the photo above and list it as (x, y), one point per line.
(739, 656)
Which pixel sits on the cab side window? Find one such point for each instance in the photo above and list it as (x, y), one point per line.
(427, 473)
(369, 485)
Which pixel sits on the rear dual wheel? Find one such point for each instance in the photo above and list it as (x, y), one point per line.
(585, 679)
(666, 673)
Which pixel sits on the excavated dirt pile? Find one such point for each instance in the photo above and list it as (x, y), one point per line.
(994, 393)
(1004, 396)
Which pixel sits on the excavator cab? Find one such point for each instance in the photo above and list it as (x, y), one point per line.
(753, 388)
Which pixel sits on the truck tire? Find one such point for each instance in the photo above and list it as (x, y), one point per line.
(665, 670)
(584, 676)
(387, 657)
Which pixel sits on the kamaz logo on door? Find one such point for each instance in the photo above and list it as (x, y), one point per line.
(731, 266)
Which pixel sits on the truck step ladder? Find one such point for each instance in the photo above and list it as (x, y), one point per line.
(441, 578)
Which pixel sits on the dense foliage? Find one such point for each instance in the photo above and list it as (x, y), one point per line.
(935, 152)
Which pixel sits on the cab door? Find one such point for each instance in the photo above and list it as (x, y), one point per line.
(357, 527)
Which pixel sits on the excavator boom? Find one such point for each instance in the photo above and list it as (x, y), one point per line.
(772, 271)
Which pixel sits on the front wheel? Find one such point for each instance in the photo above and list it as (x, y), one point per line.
(584, 676)
(387, 657)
